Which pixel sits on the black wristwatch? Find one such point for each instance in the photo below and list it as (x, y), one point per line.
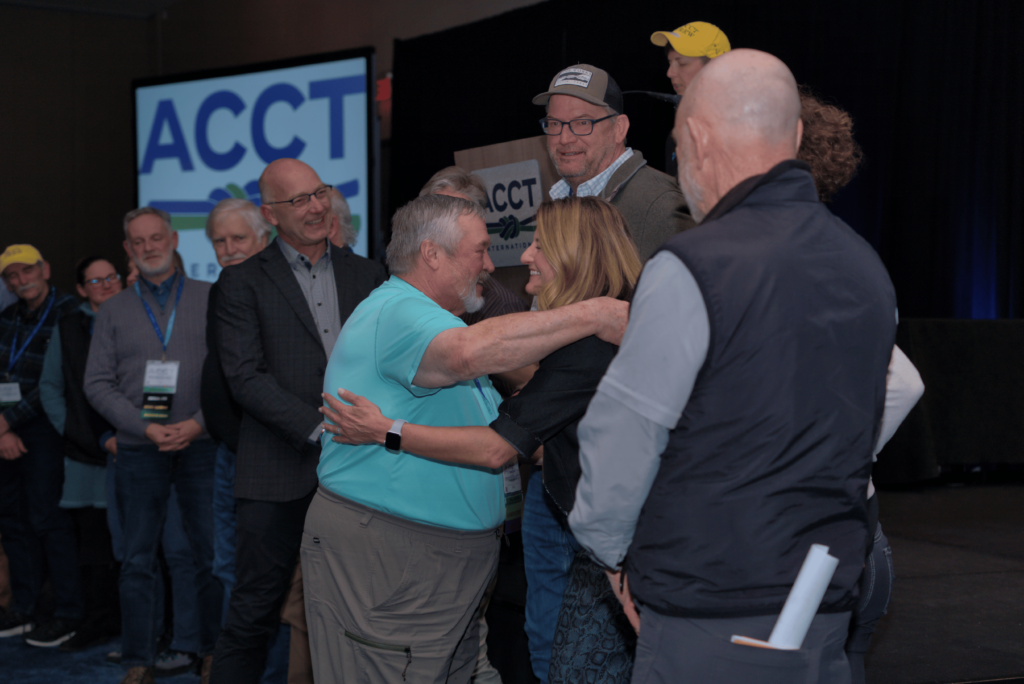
(393, 440)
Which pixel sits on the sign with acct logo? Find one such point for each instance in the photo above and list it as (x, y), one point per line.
(203, 138)
(513, 195)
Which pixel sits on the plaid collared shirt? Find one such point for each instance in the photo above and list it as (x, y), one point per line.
(594, 186)
(26, 372)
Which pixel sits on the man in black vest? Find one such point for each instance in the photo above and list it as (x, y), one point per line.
(747, 394)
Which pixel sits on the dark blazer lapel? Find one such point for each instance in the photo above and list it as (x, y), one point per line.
(280, 273)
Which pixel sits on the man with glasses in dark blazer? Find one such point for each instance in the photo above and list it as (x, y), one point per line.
(278, 316)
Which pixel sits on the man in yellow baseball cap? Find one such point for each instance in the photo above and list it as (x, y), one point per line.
(32, 456)
(689, 48)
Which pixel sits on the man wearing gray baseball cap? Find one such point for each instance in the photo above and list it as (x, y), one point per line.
(586, 130)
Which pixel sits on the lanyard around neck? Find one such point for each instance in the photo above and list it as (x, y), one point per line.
(15, 352)
(164, 339)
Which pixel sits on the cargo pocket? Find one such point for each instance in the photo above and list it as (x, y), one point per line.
(384, 660)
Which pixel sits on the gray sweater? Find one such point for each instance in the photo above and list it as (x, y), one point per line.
(124, 340)
(651, 202)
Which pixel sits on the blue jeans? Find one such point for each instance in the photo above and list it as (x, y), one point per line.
(178, 554)
(184, 579)
(548, 552)
(143, 478)
(224, 526)
(875, 591)
(39, 535)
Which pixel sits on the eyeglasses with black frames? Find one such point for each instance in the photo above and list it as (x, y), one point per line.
(578, 127)
(302, 200)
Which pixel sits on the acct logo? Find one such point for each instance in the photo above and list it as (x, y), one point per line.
(191, 214)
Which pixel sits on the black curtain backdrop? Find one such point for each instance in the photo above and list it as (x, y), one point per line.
(936, 89)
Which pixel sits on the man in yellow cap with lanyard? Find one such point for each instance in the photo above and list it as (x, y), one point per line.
(688, 49)
(32, 523)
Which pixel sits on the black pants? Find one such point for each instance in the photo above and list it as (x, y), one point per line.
(267, 548)
(39, 535)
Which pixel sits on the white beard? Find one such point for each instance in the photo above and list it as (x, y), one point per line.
(470, 299)
(159, 270)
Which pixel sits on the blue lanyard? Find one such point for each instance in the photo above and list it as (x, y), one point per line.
(15, 352)
(483, 394)
(170, 322)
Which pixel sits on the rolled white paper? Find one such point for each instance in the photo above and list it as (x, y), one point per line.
(804, 598)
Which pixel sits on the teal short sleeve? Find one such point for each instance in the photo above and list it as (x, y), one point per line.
(405, 328)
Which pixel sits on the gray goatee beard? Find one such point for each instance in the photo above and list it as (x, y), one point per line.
(158, 270)
(470, 299)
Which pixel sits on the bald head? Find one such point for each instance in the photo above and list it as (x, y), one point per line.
(739, 117)
(750, 96)
(305, 225)
(279, 173)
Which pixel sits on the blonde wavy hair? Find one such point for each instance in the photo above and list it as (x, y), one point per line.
(588, 245)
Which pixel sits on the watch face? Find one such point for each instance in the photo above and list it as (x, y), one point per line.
(393, 441)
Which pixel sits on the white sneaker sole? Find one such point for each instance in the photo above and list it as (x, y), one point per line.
(15, 631)
(49, 644)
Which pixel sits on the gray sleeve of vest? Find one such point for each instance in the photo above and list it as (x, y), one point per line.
(640, 399)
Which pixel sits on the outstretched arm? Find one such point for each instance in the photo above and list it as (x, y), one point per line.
(510, 342)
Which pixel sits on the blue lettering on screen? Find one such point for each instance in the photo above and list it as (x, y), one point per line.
(175, 149)
(335, 90)
(222, 99)
(280, 92)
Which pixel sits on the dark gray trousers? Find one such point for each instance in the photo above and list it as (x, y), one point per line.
(390, 600)
(681, 650)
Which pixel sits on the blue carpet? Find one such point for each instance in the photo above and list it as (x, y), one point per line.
(23, 664)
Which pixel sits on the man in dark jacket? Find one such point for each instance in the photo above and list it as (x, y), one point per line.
(278, 315)
(237, 231)
(748, 392)
(586, 130)
(32, 523)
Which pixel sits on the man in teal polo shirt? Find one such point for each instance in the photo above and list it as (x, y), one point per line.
(398, 548)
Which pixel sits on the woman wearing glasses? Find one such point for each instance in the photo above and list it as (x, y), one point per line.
(63, 400)
(582, 249)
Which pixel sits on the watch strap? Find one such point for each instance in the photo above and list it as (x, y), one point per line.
(393, 439)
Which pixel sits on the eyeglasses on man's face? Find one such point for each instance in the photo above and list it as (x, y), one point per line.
(303, 200)
(109, 279)
(578, 127)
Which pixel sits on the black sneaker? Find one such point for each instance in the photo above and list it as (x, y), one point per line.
(50, 634)
(14, 624)
(88, 635)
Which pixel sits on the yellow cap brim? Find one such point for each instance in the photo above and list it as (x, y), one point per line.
(661, 38)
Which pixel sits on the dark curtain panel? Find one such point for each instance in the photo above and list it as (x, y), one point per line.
(936, 88)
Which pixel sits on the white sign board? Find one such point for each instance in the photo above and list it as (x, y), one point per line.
(513, 195)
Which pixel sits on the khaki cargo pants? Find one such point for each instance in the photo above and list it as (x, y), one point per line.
(390, 600)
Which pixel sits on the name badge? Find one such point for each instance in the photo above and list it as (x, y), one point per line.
(10, 394)
(513, 496)
(158, 388)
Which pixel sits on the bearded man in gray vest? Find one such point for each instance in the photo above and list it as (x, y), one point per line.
(748, 393)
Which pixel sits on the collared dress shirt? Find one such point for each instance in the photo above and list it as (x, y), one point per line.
(592, 187)
(320, 290)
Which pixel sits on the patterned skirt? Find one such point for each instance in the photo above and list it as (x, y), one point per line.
(594, 642)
